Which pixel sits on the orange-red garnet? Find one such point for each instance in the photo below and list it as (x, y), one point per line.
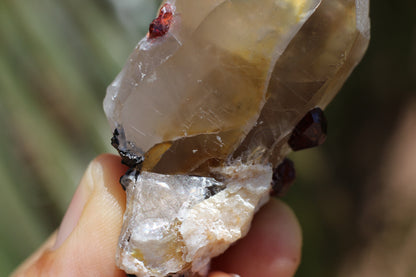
(160, 25)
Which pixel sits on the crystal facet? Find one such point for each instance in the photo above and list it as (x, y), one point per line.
(310, 131)
(207, 104)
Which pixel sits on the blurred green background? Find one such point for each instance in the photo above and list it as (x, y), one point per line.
(56, 59)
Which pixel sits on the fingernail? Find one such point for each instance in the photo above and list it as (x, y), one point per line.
(72, 216)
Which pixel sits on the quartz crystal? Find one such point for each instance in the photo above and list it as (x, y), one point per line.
(231, 78)
(217, 87)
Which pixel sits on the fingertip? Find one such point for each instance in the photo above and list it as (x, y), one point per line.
(110, 169)
(101, 173)
(91, 247)
(87, 239)
(112, 163)
(271, 248)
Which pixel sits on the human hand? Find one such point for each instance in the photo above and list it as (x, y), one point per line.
(86, 241)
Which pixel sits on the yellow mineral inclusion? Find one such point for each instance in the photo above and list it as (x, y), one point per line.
(300, 7)
(153, 156)
(138, 255)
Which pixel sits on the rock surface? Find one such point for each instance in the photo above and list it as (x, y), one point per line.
(176, 224)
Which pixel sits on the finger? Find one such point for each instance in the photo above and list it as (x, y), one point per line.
(49, 243)
(87, 238)
(272, 248)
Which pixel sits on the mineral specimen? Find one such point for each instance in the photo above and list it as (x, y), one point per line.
(210, 98)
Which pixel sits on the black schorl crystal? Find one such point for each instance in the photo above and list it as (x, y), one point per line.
(283, 177)
(128, 157)
(115, 142)
(310, 131)
(129, 177)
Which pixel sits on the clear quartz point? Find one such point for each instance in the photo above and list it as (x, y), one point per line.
(217, 84)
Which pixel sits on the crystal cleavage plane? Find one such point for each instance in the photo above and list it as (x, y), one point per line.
(208, 104)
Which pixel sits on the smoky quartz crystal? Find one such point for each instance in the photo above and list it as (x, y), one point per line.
(210, 99)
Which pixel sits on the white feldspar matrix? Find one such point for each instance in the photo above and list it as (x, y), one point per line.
(208, 104)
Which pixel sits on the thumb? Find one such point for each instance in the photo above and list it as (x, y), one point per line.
(86, 241)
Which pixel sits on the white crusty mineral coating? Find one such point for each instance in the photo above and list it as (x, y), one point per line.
(170, 226)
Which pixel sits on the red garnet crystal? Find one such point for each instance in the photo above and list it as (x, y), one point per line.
(283, 177)
(160, 25)
(310, 131)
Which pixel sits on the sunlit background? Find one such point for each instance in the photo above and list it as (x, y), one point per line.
(355, 196)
